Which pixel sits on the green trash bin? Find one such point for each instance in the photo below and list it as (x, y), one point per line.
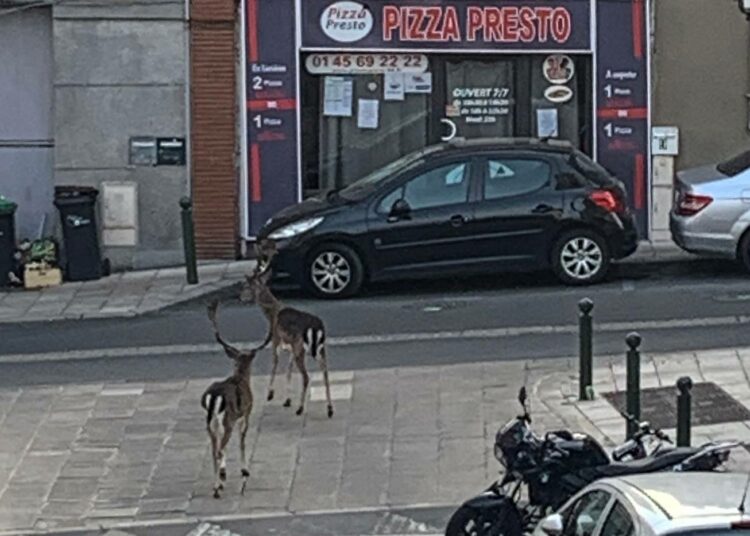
(7, 238)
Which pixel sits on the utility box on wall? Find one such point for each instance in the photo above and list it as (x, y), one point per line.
(665, 141)
(119, 214)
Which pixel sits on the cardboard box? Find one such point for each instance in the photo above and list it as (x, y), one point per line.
(38, 275)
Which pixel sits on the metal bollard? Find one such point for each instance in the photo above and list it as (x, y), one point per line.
(633, 392)
(684, 410)
(585, 334)
(188, 240)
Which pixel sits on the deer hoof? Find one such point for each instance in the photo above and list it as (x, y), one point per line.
(288, 403)
(330, 411)
(217, 493)
(223, 474)
(300, 410)
(270, 395)
(245, 473)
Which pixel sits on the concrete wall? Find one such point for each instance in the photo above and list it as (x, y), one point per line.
(121, 71)
(700, 77)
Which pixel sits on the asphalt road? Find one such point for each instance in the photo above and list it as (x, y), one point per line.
(693, 305)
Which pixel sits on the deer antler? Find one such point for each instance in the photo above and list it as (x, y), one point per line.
(230, 350)
(265, 250)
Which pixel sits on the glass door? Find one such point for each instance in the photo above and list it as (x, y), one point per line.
(480, 98)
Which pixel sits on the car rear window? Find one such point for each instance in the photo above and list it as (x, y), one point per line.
(735, 165)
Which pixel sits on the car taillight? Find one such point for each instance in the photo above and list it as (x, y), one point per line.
(690, 204)
(607, 200)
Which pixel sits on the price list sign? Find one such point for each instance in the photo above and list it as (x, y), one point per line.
(622, 98)
(271, 109)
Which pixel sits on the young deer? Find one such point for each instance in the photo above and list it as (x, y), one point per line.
(288, 328)
(227, 403)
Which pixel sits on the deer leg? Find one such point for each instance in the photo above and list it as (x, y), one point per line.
(324, 367)
(215, 457)
(222, 459)
(273, 369)
(288, 401)
(244, 425)
(299, 358)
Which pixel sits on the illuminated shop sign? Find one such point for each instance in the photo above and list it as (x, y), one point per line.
(454, 24)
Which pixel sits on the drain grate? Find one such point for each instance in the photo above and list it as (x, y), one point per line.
(711, 405)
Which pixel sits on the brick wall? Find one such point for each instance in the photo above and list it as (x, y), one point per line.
(215, 182)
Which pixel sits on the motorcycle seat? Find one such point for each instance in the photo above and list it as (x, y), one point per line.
(650, 464)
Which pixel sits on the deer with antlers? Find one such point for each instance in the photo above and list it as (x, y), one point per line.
(227, 403)
(295, 331)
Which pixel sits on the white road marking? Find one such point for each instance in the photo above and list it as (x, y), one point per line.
(393, 338)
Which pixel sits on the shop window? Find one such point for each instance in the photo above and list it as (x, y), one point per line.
(509, 178)
(446, 185)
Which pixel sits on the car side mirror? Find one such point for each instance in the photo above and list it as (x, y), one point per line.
(399, 211)
(552, 525)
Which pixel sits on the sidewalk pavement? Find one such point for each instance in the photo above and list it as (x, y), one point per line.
(135, 293)
(119, 295)
(104, 456)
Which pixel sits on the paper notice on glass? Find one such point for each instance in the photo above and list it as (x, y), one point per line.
(368, 113)
(337, 96)
(393, 87)
(418, 83)
(546, 123)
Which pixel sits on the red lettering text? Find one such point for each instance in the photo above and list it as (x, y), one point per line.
(543, 14)
(451, 31)
(510, 24)
(391, 21)
(473, 22)
(561, 25)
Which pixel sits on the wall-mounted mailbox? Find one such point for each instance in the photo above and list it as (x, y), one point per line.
(170, 151)
(142, 151)
(665, 141)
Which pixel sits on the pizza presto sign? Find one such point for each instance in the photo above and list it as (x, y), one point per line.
(453, 24)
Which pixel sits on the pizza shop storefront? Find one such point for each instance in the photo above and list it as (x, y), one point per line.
(360, 84)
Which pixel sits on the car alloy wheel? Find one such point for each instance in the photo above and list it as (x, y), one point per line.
(581, 258)
(331, 272)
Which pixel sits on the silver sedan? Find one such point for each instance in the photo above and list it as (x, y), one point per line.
(711, 210)
(656, 504)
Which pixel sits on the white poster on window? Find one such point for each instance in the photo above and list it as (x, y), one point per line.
(367, 116)
(418, 83)
(546, 123)
(337, 96)
(394, 87)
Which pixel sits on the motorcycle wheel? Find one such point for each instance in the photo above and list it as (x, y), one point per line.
(467, 521)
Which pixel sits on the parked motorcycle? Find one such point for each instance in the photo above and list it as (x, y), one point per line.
(553, 468)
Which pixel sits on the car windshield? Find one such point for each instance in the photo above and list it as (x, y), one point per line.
(735, 165)
(589, 169)
(366, 185)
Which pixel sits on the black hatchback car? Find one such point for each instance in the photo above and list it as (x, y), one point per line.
(461, 207)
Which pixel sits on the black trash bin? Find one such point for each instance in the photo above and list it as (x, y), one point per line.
(77, 206)
(7, 239)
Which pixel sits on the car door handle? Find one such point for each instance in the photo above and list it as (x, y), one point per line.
(542, 209)
(458, 220)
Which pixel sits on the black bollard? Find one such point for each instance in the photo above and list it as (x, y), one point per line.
(188, 240)
(633, 403)
(684, 410)
(585, 334)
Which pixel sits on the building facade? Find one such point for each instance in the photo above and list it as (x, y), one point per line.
(351, 86)
(98, 96)
(249, 106)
